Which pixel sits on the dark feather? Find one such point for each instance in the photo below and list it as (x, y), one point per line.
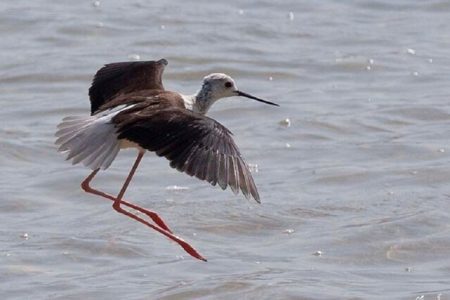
(125, 77)
(193, 143)
(234, 180)
(212, 166)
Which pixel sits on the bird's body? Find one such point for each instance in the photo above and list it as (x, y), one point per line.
(131, 108)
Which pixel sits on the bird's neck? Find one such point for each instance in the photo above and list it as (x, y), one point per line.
(199, 102)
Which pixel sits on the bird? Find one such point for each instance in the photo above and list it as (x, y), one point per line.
(130, 108)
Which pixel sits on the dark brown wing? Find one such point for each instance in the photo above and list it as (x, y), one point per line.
(194, 144)
(125, 77)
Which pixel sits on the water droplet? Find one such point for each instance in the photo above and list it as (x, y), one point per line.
(442, 150)
(285, 123)
(177, 188)
(414, 172)
(134, 57)
(253, 168)
(371, 61)
(411, 51)
(291, 16)
(96, 3)
(100, 24)
(270, 78)
(318, 253)
(408, 269)
(241, 12)
(162, 27)
(288, 145)
(430, 60)
(368, 68)
(415, 73)
(24, 236)
(257, 262)
(289, 231)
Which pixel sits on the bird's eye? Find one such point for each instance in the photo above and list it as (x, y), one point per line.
(228, 84)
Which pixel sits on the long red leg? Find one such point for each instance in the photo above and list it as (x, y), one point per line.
(188, 248)
(118, 200)
(153, 215)
(130, 176)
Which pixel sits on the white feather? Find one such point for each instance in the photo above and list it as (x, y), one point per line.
(92, 140)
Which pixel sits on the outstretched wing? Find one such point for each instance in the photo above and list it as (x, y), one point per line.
(194, 144)
(125, 77)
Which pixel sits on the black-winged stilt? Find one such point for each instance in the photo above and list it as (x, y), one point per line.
(131, 108)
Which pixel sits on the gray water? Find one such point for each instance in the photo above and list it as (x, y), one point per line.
(353, 168)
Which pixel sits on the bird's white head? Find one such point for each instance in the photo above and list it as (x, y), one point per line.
(216, 86)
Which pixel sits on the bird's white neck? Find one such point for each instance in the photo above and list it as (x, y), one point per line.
(199, 102)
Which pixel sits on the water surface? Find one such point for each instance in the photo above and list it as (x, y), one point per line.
(355, 191)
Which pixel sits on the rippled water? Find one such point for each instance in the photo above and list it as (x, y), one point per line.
(354, 185)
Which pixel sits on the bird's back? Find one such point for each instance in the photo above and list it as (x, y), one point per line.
(152, 99)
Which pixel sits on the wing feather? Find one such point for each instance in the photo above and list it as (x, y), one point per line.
(125, 77)
(193, 143)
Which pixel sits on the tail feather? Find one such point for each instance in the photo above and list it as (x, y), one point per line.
(90, 140)
(108, 155)
(98, 154)
(103, 156)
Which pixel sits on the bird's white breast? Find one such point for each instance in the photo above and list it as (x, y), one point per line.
(188, 102)
(124, 143)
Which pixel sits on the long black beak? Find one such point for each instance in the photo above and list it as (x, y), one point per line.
(239, 93)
